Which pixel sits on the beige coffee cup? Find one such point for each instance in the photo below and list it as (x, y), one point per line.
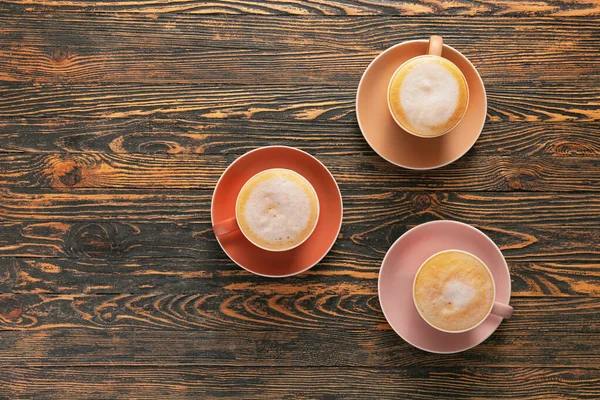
(428, 95)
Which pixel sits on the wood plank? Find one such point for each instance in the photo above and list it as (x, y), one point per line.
(271, 102)
(197, 135)
(308, 7)
(111, 240)
(277, 330)
(379, 348)
(192, 171)
(366, 208)
(118, 48)
(116, 224)
(241, 309)
(339, 272)
(298, 383)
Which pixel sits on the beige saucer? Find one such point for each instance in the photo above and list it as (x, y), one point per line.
(398, 146)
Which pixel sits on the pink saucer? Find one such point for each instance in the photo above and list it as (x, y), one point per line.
(398, 272)
(309, 253)
(395, 144)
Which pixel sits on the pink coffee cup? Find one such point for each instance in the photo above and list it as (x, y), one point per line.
(496, 308)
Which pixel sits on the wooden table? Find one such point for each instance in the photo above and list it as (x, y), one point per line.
(117, 119)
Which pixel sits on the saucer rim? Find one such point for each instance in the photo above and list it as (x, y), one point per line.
(396, 163)
(507, 271)
(288, 148)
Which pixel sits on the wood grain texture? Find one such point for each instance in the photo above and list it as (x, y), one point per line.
(197, 135)
(371, 209)
(315, 7)
(273, 329)
(213, 273)
(243, 310)
(358, 246)
(103, 48)
(117, 119)
(375, 348)
(134, 256)
(181, 171)
(544, 227)
(299, 383)
(311, 7)
(379, 348)
(271, 102)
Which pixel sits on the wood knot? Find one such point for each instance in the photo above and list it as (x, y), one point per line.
(69, 171)
(60, 55)
(10, 309)
(93, 240)
(522, 179)
(422, 202)
(161, 146)
(108, 317)
(566, 148)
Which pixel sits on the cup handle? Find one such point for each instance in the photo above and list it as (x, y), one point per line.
(436, 43)
(226, 226)
(502, 310)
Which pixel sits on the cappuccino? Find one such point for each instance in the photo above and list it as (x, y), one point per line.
(428, 96)
(454, 291)
(277, 209)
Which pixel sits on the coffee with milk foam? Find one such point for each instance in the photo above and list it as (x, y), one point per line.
(428, 95)
(454, 291)
(277, 209)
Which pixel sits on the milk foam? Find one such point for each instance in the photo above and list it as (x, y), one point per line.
(458, 293)
(429, 95)
(454, 291)
(277, 209)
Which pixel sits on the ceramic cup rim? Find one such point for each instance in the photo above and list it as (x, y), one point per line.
(488, 271)
(360, 86)
(412, 132)
(287, 248)
(232, 165)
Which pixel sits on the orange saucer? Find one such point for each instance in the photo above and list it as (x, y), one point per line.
(398, 146)
(309, 253)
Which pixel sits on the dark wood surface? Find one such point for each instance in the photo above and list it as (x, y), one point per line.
(117, 119)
